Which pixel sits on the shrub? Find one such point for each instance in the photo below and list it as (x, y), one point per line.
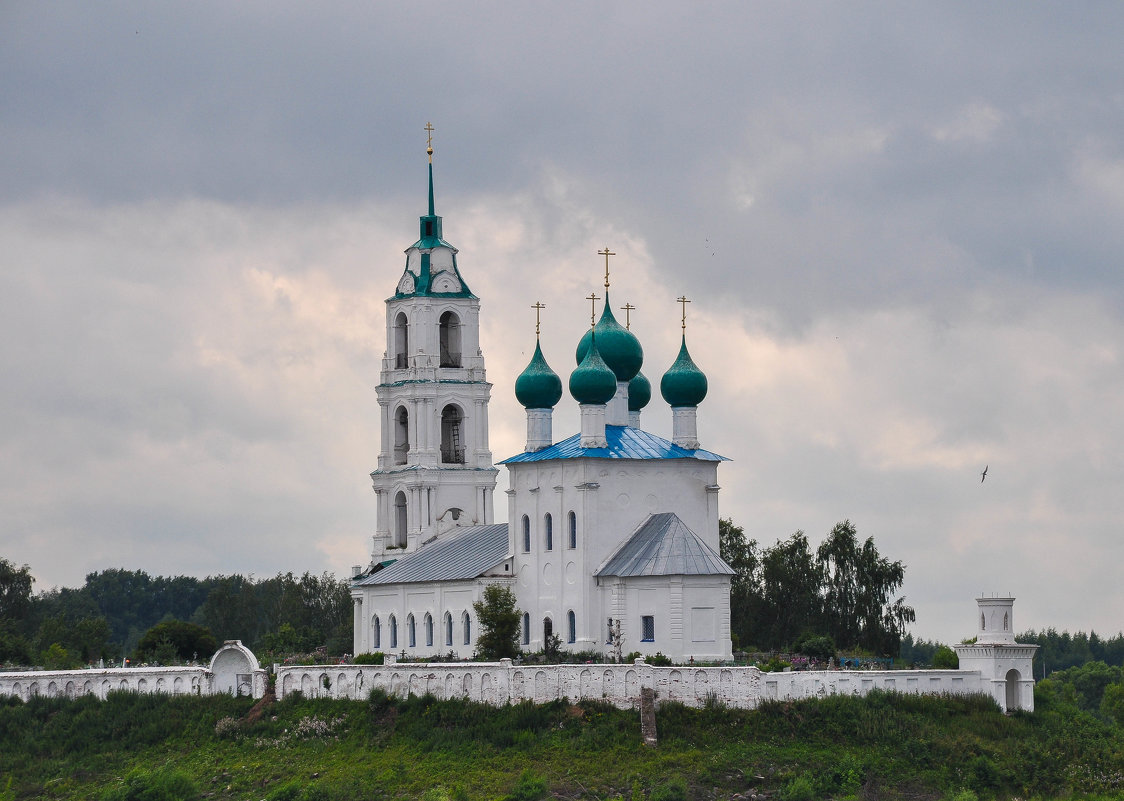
(658, 660)
(369, 659)
(818, 647)
(944, 658)
(801, 788)
(175, 638)
(674, 790)
(290, 791)
(775, 665)
(529, 788)
(500, 620)
(164, 784)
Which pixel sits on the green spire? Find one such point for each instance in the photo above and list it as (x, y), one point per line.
(430, 240)
(538, 387)
(431, 212)
(684, 384)
(619, 347)
(639, 392)
(593, 382)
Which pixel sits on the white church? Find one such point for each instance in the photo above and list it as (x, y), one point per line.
(612, 544)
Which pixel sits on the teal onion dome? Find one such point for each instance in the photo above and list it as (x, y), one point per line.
(593, 382)
(684, 384)
(639, 392)
(538, 387)
(619, 347)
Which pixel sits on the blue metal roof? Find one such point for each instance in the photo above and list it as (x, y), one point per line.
(455, 556)
(664, 546)
(624, 442)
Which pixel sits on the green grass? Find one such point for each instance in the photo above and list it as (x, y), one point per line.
(884, 746)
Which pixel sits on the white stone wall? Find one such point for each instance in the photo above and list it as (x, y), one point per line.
(234, 668)
(73, 683)
(503, 682)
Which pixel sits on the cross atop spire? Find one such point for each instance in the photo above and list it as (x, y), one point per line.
(593, 308)
(682, 301)
(429, 129)
(538, 307)
(606, 253)
(626, 308)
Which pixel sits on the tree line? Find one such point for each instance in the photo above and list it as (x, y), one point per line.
(108, 617)
(841, 595)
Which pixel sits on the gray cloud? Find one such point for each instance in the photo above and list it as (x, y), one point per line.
(203, 207)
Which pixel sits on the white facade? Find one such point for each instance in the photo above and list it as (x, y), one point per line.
(569, 515)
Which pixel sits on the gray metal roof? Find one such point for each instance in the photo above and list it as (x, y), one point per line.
(623, 442)
(664, 546)
(472, 552)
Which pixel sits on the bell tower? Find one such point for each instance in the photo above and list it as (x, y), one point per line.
(435, 468)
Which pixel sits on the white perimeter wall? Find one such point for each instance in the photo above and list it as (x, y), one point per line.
(73, 683)
(499, 683)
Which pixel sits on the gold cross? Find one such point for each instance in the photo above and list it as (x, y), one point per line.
(682, 300)
(626, 308)
(606, 253)
(429, 140)
(539, 306)
(592, 308)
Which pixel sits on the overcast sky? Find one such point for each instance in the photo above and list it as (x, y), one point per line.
(899, 226)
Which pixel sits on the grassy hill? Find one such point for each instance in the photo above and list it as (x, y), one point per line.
(884, 746)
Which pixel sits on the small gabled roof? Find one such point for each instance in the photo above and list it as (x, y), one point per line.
(664, 546)
(624, 442)
(454, 557)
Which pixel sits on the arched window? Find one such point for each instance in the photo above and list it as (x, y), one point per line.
(376, 633)
(401, 435)
(466, 624)
(571, 626)
(526, 534)
(411, 632)
(572, 529)
(428, 630)
(548, 531)
(448, 628)
(547, 629)
(400, 519)
(450, 336)
(401, 341)
(1004, 621)
(393, 632)
(452, 435)
(526, 629)
(983, 622)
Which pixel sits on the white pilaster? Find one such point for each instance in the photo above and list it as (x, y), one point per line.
(593, 425)
(684, 427)
(616, 412)
(539, 429)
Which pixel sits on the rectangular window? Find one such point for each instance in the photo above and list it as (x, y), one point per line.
(648, 628)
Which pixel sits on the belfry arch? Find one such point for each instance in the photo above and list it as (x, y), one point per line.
(452, 435)
(401, 435)
(449, 339)
(401, 341)
(400, 520)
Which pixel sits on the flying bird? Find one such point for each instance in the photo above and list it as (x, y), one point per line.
(983, 475)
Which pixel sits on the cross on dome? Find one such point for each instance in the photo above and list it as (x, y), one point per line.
(606, 253)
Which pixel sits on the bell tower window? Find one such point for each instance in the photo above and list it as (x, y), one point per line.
(400, 519)
(401, 435)
(452, 444)
(401, 341)
(450, 339)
